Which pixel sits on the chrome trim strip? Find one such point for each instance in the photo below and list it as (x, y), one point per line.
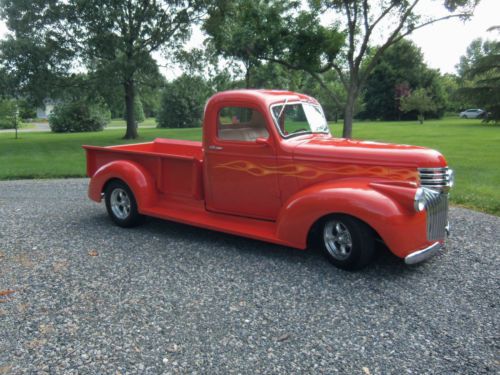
(436, 178)
(433, 170)
(421, 255)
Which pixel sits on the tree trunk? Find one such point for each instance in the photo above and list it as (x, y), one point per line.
(129, 110)
(349, 113)
(247, 75)
(421, 118)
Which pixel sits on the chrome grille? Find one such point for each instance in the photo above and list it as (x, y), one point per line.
(436, 178)
(437, 214)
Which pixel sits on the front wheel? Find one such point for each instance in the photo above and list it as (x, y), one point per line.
(121, 205)
(347, 242)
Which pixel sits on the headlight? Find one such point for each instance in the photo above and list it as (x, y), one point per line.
(420, 200)
(451, 178)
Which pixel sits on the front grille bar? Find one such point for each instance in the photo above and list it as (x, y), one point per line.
(435, 178)
(437, 215)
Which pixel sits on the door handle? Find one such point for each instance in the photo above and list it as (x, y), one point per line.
(215, 148)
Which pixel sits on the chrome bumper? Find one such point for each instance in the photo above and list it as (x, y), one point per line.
(421, 255)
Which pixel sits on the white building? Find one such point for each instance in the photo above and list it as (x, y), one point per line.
(46, 108)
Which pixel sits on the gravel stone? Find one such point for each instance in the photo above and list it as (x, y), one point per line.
(169, 298)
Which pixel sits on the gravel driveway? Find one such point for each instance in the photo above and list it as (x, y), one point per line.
(90, 297)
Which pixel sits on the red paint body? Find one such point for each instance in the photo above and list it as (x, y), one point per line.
(273, 190)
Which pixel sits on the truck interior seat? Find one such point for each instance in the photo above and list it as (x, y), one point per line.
(249, 131)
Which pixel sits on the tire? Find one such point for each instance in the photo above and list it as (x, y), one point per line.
(121, 205)
(348, 243)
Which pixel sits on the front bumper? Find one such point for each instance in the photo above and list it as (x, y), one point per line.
(421, 255)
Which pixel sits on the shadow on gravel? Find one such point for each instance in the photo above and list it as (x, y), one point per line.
(385, 266)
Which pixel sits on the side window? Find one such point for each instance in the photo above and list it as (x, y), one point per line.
(241, 124)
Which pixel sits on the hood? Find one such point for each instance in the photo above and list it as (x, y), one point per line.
(367, 152)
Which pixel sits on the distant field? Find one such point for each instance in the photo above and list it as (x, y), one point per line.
(471, 148)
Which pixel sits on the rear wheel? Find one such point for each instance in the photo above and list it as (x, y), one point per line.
(121, 205)
(347, 242)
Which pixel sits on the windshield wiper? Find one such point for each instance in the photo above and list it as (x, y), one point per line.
(298, 133)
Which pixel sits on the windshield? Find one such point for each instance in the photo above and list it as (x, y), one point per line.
(299, 118)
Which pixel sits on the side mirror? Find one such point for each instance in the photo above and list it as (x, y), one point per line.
(263, 141)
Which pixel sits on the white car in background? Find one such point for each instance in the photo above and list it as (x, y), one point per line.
(472, 113)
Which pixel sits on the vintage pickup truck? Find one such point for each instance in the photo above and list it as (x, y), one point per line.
(269, 169)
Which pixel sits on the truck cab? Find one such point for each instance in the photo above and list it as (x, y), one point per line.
(268, 168)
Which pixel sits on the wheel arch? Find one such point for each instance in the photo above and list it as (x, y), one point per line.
(139, 180)
(317, 225)
(390, 219)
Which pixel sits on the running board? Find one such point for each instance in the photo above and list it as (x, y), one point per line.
(194, 213)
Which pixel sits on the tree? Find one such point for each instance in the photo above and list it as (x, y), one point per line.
(8, 114)
(148, 82)
(241, 30)
(454, 101)
(361, 20)
(484, 74)
(219, 74)
(36, 59)
(400, 70)
(297, 40)
(275, 31)
(397, 72)
(476, 50)
(110, 36)
(420, 101)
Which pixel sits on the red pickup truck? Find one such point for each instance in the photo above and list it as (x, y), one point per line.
(269, 169)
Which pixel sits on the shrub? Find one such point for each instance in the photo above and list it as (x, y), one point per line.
(78, 116)
(182, 103)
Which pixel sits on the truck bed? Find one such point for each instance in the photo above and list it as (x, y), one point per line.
(176, 166)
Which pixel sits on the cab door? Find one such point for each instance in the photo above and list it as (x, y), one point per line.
(240, 168)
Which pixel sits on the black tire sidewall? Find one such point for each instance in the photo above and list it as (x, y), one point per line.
(363, 243)
(134, 217)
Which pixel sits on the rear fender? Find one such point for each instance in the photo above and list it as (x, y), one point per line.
(136, 177)
(385, 207)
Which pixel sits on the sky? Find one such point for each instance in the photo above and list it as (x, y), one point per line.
(442, 44)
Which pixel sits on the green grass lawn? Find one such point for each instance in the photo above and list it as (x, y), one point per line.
(471, 148)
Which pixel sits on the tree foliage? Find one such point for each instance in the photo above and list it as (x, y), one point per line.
(106, 36)
(399, 71)
(183, 102)
(274, 31)
(419, 101)
(476, 50)
(484, 81)
(296, 38)
(8, 114)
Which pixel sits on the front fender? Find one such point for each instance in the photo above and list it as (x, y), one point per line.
(136, 177)
(385, 207)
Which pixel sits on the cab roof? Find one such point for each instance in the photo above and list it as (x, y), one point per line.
(267, 96)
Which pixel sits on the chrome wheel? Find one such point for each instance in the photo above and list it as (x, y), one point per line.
(337, 239)
(120, 203)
